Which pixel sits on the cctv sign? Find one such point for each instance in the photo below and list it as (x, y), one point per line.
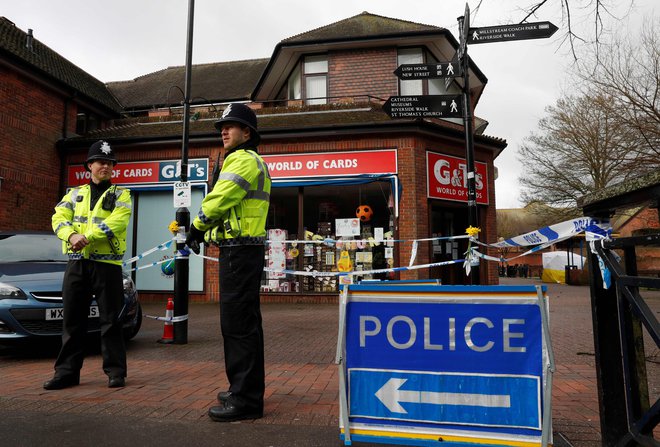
(446, 178)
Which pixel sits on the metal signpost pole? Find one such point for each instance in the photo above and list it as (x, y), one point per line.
(473, 219)
(181, 263)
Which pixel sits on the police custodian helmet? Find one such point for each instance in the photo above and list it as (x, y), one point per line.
(100, 150)
(240, 113)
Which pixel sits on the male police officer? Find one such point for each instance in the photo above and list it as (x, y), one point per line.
(91, 220)
(233, 216)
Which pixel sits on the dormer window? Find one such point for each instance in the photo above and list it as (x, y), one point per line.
(411, 56)
(309, 80)
(421, 86)
(315, 72)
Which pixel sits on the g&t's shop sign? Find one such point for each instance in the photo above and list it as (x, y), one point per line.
(332, 164)
(446, 178)
(168, 171)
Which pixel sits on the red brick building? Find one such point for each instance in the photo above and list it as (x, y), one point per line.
(328, 142)
(44, 99)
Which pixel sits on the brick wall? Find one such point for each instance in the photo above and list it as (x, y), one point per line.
(31, 121)
(362, 72)
(648, 257)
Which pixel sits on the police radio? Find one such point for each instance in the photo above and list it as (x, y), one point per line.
(109, 200)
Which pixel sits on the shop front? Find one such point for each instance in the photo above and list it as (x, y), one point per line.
(330, 212)
(446, 185)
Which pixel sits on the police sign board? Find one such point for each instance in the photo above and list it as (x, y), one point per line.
(458, 361)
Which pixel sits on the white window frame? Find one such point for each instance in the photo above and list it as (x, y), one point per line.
(315, 72)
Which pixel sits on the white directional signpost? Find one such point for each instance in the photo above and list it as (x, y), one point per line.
(458, 106)
(464, 365)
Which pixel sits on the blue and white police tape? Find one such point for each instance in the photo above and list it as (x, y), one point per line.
(169, 319)
(165, 245)
(596, 228)
(314, 273)
(146, 266)
(538, 240)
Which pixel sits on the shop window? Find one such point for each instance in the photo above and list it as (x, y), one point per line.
(152, 210)
(317, 217)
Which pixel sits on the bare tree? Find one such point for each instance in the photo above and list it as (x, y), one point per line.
(629, 72)
(581, 146)
(576, 13)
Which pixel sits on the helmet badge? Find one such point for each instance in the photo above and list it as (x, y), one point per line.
(227, 111)
(105, 148)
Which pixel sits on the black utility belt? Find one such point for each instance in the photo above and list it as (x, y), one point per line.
(243, 240)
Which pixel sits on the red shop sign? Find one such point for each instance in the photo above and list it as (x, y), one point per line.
(332, 164)
(446, 178)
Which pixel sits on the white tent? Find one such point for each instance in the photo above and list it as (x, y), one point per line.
(555, 262)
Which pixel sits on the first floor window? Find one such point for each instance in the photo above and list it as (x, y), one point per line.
(315, 69)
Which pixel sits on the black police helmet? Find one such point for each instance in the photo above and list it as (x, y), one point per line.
(240, 113)
(100, 150)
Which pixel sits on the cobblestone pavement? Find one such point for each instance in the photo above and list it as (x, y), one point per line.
(173, 385)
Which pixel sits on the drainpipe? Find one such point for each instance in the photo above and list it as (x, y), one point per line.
(60, 148)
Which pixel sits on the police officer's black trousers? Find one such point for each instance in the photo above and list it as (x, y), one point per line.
(82, 279)
(241, 268)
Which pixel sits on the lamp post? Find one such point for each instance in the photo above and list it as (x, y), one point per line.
(473, 219)
(181, 262)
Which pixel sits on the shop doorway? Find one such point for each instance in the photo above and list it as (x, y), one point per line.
(448, 219)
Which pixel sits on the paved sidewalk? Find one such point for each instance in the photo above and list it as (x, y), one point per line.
(170, 387)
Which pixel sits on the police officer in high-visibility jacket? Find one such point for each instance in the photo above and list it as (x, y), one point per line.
(233, 216)
(91, 220)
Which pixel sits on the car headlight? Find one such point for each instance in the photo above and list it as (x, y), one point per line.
(129, 286)
(8, 291)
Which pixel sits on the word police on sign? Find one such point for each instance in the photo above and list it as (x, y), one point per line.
(422, 361)
(426, 106)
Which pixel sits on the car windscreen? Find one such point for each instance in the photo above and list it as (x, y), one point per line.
(30, 247)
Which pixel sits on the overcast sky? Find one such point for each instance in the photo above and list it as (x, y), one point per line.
(123, 39)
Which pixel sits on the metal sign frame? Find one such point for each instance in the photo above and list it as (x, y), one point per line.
(416, 430)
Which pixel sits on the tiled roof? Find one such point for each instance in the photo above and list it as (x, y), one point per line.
(360, 26)
(272, 122)
(44, 60)
(632, 192)
(267, 123)
(211, 83)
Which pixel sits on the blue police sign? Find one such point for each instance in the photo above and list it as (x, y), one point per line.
(447, 357)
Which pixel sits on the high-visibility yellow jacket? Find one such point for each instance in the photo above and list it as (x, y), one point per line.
(235, 211)
(105, 229)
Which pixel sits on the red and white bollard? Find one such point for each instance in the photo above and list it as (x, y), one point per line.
(168, 328)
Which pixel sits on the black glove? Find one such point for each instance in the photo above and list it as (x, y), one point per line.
(194, 238)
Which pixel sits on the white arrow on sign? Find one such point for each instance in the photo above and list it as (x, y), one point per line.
(391, 396)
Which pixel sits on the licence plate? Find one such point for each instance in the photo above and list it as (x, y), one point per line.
(57, 313)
